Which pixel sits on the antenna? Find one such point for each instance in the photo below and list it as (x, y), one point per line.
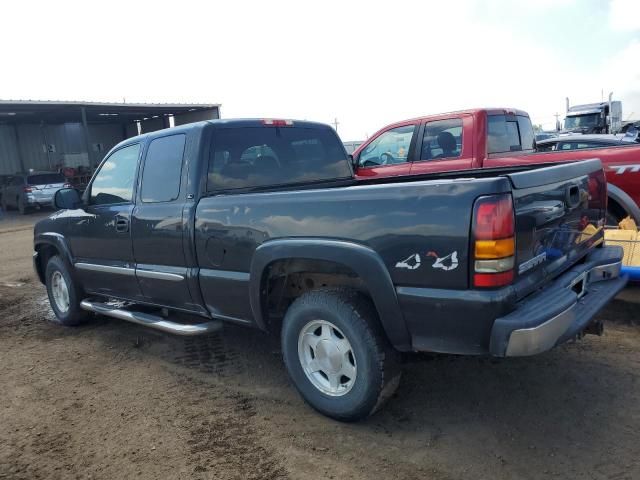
(335, 124)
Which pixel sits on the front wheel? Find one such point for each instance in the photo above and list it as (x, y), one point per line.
(64, 294)
(337, 355)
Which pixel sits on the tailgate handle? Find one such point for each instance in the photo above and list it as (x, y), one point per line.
(573, 196)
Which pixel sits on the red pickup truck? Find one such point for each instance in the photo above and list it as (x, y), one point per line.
(489, 138)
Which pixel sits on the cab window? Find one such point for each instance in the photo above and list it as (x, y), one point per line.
(163, 169)
(442, 139)
(114, 182)
(547, 147)
(513, 133)
(243, 158)
(389, 148)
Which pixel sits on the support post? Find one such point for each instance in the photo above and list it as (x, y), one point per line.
(86, 137)
(18, 151)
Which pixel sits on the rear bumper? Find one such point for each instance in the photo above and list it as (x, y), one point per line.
(479, 322)
(44, 201)
(562, 309)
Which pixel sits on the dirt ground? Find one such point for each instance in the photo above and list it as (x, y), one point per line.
(111, 400)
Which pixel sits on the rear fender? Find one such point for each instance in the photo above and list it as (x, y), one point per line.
(625, 201)
(366, 263)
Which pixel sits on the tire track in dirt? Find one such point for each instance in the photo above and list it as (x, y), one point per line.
(220, 435)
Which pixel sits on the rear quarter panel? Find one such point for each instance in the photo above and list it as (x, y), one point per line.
(401, 222)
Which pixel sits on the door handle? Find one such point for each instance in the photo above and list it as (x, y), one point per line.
(122, 225)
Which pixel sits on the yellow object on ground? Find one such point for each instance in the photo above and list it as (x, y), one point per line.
(628, 224)
(629, 240)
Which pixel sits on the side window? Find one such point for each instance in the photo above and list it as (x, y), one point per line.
(527, 136)
(581, 146)
(547, 147)
(509, 134)
(163, 169)
(566, 146)
(389, 148)
(503, 135)
(442, 139)
(114, 181)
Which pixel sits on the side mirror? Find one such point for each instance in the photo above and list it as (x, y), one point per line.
(67, 199)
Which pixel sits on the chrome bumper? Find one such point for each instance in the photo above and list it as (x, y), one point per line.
(562, 310)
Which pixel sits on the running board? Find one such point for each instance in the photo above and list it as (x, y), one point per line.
(151, 321)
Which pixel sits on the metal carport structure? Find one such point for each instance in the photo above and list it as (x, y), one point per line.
(48, 135)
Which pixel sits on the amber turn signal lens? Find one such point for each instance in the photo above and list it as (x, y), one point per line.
(489, 249)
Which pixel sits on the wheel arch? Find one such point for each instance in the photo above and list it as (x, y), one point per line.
(624, 201)
(361, 260)
(47, 245)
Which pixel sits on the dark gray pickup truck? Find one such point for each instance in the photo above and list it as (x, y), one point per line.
(261, 223)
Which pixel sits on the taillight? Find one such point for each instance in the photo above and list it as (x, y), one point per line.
(277, 123)
(494, 243)
(27, 189)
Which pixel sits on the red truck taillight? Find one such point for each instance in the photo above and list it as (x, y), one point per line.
(27, 189)
(494, 241)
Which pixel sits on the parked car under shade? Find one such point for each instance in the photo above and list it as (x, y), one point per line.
(26, 191)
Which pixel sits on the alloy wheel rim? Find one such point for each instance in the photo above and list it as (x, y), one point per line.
(60, 292)
(327, 358)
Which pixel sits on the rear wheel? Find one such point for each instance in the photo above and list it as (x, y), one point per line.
(22, 207)
(337, 355)
(64, 294)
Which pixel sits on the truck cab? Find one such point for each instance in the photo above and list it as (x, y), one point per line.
(489, 138)
(602, 117)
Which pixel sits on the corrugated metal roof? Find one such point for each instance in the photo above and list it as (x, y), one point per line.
(107, 104)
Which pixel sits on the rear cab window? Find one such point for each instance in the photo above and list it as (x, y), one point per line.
(251, 157)
(509, 133)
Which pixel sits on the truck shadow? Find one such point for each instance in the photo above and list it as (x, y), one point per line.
(568, 408)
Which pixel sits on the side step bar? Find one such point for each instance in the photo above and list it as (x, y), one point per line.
(151, 321)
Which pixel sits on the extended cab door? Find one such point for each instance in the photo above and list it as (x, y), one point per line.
(444, 145)
(389, 153)
(101, 236)
(159, 226)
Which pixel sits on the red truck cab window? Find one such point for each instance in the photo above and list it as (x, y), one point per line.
(445, 145)
(389, 153)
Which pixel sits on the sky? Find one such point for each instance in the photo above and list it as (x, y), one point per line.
(366, 64)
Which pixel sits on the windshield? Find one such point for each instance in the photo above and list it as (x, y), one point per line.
(578, 121)
(45, 179)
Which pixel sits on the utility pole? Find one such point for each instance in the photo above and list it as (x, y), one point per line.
(335, 124)
(557, 115)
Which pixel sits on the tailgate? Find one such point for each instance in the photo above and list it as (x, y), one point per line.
(559, 217)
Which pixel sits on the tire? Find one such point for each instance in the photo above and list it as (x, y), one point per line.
(22, 208)
(57, 272)
(328, 315)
